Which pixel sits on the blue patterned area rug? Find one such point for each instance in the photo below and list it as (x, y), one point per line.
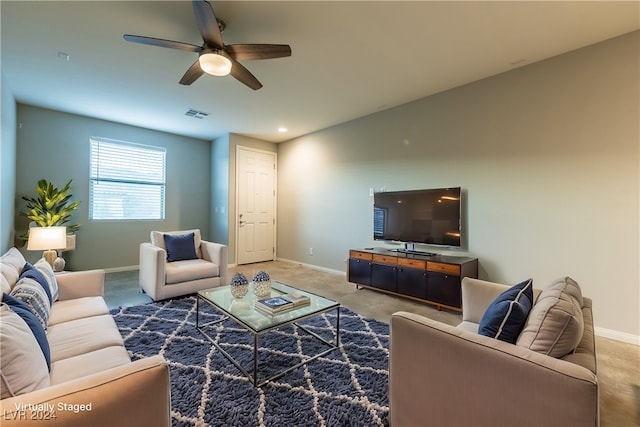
(347, 387)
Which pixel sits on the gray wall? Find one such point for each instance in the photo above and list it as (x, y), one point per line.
(55, 146)
(548, 157)
(220, 190)
(7, 166)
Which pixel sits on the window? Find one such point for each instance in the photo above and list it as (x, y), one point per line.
(127, 181)
(379, 222)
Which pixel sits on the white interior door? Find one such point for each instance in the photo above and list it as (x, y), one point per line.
(256, 205)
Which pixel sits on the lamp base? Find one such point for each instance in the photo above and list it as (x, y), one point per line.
(50, 256)
(58, 264)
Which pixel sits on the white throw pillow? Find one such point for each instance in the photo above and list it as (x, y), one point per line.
(45, 268)
(12, 262)
(4, 284)
(22, 365)
(555, 324)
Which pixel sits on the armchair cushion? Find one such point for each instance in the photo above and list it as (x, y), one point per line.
(187, 270)
(506, 315)
(556, 324)
(180, 247)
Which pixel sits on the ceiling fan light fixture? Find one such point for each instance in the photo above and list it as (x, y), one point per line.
(215, 63)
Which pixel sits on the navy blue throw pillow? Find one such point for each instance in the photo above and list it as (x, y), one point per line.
(22, 310)
(33, 273)
(180, 247)
(506, 315)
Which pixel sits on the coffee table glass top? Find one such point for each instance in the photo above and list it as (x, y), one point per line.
(243, 311)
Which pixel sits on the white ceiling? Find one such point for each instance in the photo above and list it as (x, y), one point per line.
(349, 59)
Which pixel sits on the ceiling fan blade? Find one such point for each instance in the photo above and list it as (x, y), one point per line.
(192, 74)
(207, 23)
(243, 75)
(162, 43)
(243, 52)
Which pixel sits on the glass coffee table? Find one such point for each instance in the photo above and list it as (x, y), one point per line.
(242, 311)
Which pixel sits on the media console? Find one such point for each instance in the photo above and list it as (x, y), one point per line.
(434, 279)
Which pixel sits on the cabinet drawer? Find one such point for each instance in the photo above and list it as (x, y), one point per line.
(412, 263)
(383, 259)
(443, 268)
(360, 255)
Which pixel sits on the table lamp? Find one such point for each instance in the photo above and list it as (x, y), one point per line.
(48, 239)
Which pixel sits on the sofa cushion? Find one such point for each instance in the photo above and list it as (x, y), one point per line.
(506, 315)
(88, 363)
(157, 238)
(23, 367)
(31, 293)
(185, 271)
(22, 310)
(45, 269)
(180, 247)
(81, 336)
(555, 324)
(77, 308)
(12, 262)
(33, 273)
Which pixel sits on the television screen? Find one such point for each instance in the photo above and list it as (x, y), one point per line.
(418, 216)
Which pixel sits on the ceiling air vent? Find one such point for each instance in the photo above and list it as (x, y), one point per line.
(196, 114)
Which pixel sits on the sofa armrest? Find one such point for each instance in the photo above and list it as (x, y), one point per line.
(476, 297)
(453, 377)
(135, 394)
(152, 273)
(78, 284)
(216, 253)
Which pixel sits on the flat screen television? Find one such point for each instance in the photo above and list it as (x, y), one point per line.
(430, 216)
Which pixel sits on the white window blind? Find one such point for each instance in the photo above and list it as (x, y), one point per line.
(127, 181)
(379, 222)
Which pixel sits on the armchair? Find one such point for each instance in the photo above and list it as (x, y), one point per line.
(162, 279)
(451, 376)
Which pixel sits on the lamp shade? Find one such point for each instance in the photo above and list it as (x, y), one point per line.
(44, 238)
(215, 63)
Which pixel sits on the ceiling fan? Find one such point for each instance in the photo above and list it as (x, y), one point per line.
(214, 57)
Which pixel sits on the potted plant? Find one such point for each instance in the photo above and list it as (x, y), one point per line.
(52, 207)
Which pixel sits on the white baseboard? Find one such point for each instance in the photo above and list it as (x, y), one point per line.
(313, 267)
(617, 335)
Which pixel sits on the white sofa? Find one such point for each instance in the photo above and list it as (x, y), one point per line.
(161, 279)
(92, 381)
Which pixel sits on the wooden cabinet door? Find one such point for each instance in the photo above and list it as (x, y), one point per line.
(444, 289)
(359, 271)
(383, 276)
(412, 282)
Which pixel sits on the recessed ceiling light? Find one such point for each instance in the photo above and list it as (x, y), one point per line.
(282, 129)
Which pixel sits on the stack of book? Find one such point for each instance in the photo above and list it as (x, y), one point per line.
(275, 305)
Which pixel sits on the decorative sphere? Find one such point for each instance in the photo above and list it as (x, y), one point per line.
(262, 284)
(239, 285)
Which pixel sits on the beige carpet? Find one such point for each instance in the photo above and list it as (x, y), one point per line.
(618, 362)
